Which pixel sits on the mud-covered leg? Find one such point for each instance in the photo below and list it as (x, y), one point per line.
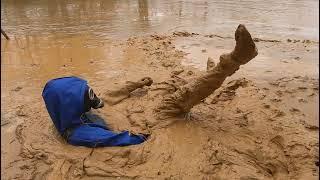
(192, 93)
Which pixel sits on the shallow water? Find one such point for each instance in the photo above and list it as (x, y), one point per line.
(272, 19)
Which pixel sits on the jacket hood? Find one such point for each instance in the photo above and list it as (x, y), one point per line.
(64, 99)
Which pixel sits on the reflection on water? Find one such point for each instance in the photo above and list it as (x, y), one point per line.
(274, 19)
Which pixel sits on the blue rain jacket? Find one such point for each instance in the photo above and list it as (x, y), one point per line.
(64, 99)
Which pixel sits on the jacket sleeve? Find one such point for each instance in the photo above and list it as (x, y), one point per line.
(91, 135)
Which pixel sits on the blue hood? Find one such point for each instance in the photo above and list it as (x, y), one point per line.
(64, 99)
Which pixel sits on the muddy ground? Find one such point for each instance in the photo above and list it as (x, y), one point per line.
(263, 123)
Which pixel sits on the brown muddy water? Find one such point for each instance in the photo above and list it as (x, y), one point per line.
(109, 42)
(104, 19)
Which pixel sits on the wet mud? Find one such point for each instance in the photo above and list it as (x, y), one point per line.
(249, 128)
(260, 123)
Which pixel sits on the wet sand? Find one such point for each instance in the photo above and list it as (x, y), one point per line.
(263, 123)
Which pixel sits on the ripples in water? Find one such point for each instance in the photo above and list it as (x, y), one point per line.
(272, 19)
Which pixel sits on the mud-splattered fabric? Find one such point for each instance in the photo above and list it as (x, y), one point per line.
(64, 99)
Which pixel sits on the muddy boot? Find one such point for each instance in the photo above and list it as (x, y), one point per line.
(192, 93)
(117, 95)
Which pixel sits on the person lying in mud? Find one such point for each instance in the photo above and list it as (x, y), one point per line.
(189, 94)
(68, 99)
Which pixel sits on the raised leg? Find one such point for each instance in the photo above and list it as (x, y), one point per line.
(192, 93)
